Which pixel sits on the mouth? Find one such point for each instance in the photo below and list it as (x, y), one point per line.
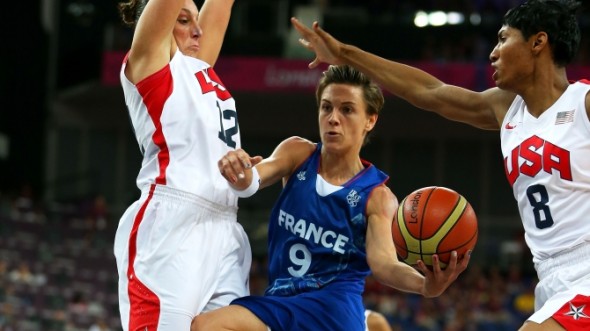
(495, 73)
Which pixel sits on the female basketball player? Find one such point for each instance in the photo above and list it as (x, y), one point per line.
(331, 225)
(179, 248)
(544, 126)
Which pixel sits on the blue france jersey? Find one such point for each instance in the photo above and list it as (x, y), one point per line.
(317, 240)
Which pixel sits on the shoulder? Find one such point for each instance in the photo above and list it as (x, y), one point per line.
(290, 154)
(382, 201)
(587, 83)
(500, 101)
(297, 145)
(382, 192)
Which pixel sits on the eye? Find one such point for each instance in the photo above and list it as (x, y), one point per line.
(182, 21)
(347, 110)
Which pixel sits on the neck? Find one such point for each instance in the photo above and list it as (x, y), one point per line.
(337, 170)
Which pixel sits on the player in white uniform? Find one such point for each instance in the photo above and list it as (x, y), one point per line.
(179, 247)
(545, 138)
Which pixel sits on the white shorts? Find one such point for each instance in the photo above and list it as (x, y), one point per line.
(177, 256)
(563, 292)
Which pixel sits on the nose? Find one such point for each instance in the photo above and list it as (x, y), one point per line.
(196, 31)
(333, 118)
(494, 54)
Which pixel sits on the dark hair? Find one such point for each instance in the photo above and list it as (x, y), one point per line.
(557, 18)
(345, 74)
(131, 10)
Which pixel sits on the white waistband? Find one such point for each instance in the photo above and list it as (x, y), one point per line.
(172, 194)
(570, 257)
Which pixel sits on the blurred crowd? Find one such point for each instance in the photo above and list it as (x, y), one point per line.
(57, 270)
(58, 273)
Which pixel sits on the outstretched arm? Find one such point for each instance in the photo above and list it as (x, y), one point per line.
(236, 166)
(213, 19)
(484, 110)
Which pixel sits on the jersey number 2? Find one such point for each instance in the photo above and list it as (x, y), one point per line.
(226, 135)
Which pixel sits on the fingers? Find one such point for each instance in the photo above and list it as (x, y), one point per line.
(255, 160)
(233, 164)
(422, 267)
(465, 261)
(300, 27)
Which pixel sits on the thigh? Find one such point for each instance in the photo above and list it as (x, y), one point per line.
(176, 265)
(231, 317)
(234, 269)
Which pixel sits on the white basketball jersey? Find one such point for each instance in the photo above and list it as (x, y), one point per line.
(547, 162)
(185, 120)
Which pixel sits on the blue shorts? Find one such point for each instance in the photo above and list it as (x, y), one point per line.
(324, 309)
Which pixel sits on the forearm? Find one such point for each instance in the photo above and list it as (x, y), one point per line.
(401, 277)
(214, 19)
(404, 81)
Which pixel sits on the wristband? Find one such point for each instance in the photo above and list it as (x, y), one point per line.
(252, 188)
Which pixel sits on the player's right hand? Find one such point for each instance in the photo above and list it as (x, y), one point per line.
(233, 167)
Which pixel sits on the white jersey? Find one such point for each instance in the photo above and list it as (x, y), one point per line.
(185, 120)
(547, 162)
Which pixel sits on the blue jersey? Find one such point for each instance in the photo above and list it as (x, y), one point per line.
(317, 241)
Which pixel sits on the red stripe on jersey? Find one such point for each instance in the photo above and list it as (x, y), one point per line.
(154, 91)
(575, 314)
(144, 304)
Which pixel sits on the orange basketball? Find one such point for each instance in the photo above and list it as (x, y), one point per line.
(433, 220)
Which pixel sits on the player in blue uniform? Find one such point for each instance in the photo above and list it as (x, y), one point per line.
(544, 122)
(331, 226)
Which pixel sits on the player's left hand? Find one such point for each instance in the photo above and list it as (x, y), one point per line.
(439, 279)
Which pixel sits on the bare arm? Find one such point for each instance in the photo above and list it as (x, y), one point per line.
(153, 39)
(284, 160)
(382, 257)
(213, 19)
(484, 110)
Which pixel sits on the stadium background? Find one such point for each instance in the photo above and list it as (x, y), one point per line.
(68, 159)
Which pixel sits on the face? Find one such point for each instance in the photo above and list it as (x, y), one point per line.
(512, 60)
(187, 30)
(343, 118)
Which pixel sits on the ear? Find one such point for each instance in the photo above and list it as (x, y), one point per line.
(540, 40)
(371, 121)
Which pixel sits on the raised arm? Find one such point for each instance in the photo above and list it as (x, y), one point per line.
(214, 19)
(382, 257)
(484, 110)
(153, 38)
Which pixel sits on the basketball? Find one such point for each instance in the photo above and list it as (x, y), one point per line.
(433, 220)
